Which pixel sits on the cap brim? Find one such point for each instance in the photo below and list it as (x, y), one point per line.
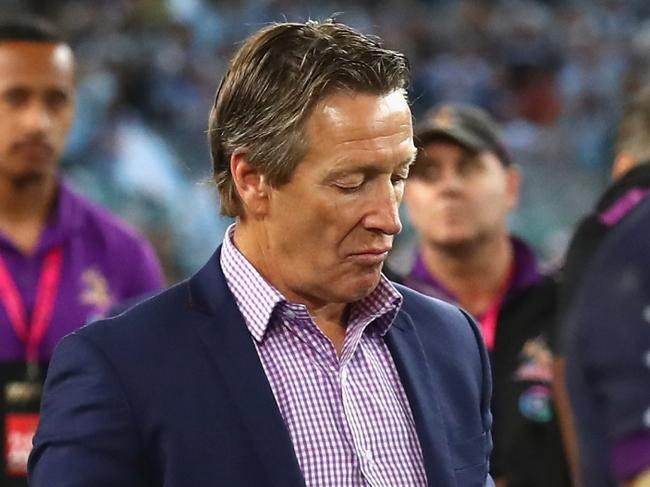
(427, 134)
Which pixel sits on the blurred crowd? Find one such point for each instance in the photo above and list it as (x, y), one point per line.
(554, 73)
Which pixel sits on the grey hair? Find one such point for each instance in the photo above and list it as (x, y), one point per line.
(271, 86)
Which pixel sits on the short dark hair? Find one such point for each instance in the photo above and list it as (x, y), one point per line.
(28, 28)
(272, 83)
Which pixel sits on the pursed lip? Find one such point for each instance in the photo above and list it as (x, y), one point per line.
(372, 255)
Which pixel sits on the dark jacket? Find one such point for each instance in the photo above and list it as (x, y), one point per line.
(173, 393)
(528, 450)
(608, 355)
(612, 208)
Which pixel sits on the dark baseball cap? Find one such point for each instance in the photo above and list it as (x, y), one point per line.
(468, 126)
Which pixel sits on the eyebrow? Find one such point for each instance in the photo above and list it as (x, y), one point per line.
(370, 169)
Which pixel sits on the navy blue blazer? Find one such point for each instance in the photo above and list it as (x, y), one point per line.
(172, 393)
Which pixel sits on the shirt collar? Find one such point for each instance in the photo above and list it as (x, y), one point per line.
(258, 299)
(66, 218)
(526, 273)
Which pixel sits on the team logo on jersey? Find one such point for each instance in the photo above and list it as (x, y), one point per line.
(443, 119)
(535, 404)
(536, 362)
(95, 291)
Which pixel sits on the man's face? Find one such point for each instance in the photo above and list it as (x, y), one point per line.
(329, 229)
(456, 198)
(36, 107)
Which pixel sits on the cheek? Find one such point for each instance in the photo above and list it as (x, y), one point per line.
(420, 203)
(62, 127)
(418, 197)
(308, 229)
(494, 203)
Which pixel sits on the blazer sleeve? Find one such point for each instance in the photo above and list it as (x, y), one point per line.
(486, 379)
(86, 434)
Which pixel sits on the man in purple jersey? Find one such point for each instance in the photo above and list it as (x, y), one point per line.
(289, 359)
(630, 187)
(63, 260)
(607, 347)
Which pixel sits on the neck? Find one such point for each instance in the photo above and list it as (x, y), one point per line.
(329, 317)
(476, 275)
(24, 209)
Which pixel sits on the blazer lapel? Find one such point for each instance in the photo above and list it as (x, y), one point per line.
(420, 387)
(231, 347)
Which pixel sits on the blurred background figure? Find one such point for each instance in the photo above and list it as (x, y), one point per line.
(461, 188)
(552, 73)
(608, 358)
(630, 174)
(63, 260)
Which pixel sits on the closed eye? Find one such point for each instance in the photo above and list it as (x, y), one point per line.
(346, 188)
(398, 179)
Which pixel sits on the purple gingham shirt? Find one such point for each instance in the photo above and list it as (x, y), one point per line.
(348, 417)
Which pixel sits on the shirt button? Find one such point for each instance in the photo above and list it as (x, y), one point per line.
(290, 314)
(368, 455)
(344, 375)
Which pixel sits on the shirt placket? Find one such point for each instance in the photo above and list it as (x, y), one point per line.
(351, 389)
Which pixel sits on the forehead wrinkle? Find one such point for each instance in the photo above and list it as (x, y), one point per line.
(330, 115)
(366, 143)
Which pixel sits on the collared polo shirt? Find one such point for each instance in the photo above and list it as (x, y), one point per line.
(105, 262)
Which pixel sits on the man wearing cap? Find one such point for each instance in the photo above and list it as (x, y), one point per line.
(460, 191)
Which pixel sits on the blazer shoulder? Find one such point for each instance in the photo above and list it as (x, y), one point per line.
(435, 315)
(151, 316)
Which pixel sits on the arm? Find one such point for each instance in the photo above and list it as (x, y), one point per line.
(565, 418)
(486, 393)
(86, 434)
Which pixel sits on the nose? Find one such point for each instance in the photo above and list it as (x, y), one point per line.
(36, 117)
(383, 215)
(451, 180)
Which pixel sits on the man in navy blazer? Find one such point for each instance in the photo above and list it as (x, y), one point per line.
(288, 359)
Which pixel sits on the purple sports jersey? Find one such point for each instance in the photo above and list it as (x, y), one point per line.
(105, 262)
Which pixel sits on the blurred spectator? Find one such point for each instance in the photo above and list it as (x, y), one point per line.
(460, 191)
(553, 73)
(631, 185)
(63, 260)
(608, 358)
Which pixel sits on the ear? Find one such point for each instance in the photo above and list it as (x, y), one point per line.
(250, 183)
(622, 164)
(513, 186)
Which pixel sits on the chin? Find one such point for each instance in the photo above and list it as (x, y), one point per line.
(361, 288)
(457, 246)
